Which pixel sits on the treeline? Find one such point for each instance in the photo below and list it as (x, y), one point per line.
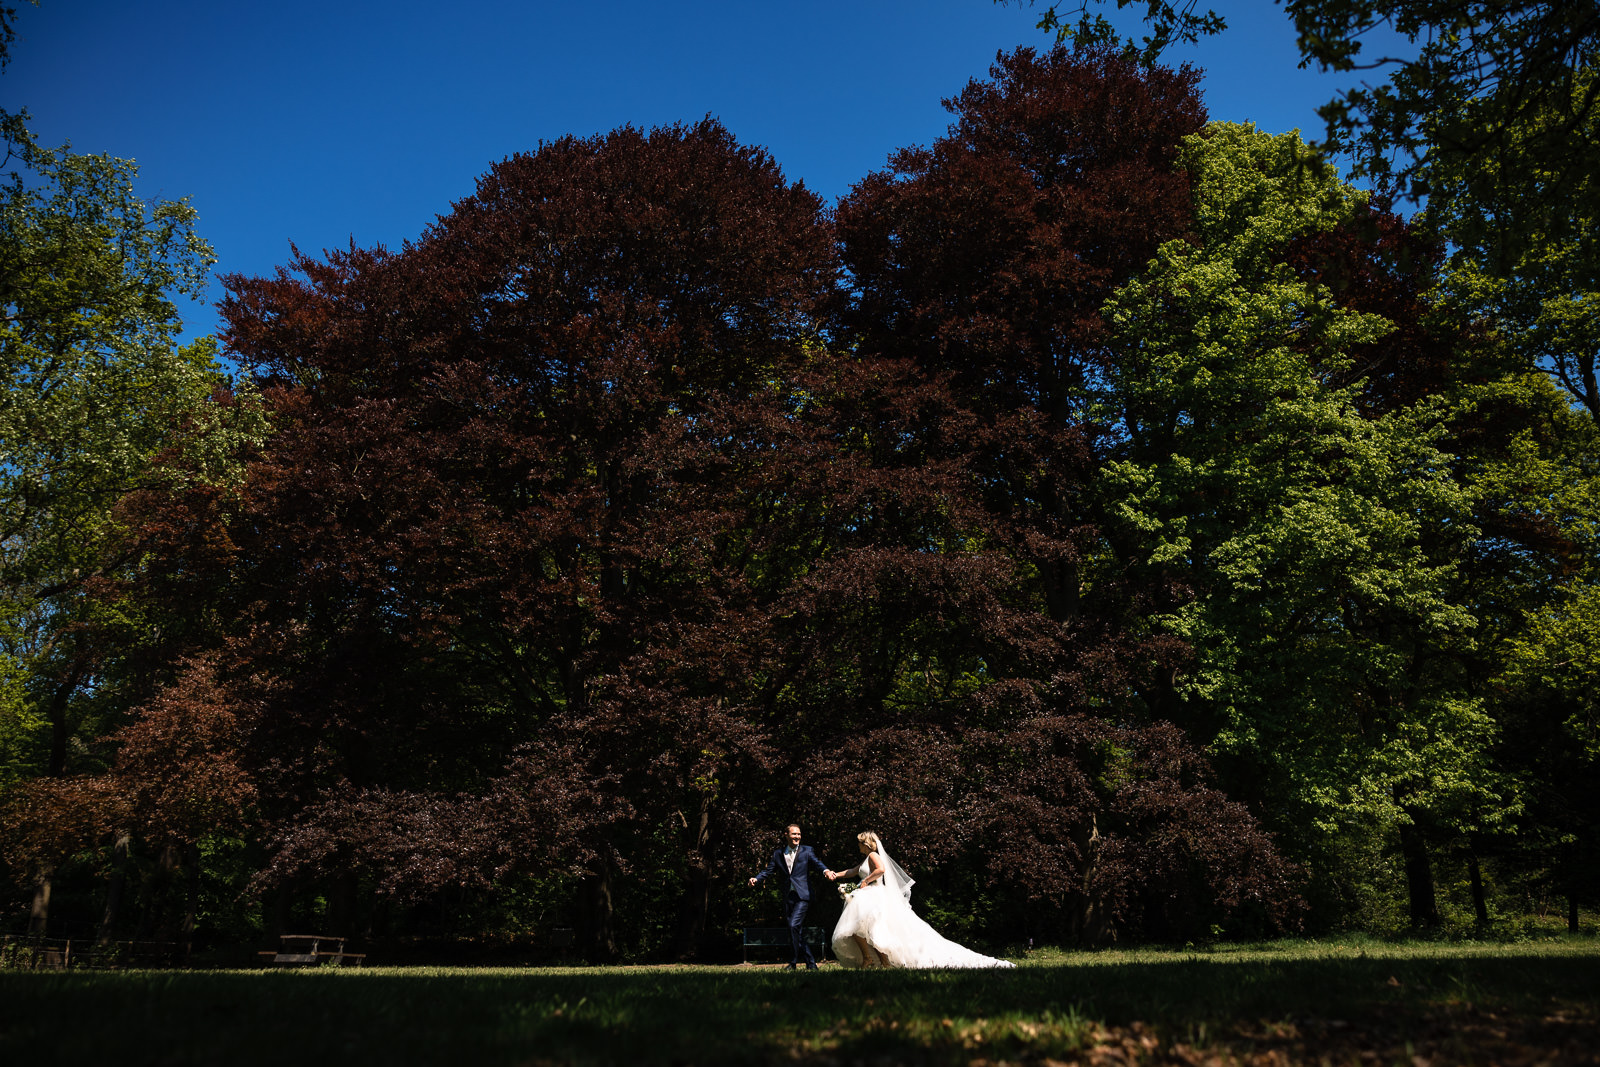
(1146, 532)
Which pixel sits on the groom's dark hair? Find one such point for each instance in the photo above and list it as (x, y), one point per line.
(793, 824)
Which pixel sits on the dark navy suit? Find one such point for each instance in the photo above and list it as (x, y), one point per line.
(797, 895)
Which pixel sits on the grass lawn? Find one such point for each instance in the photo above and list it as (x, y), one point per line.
(1420, 1005)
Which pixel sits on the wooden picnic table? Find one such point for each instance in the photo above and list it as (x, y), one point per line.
(295, 949)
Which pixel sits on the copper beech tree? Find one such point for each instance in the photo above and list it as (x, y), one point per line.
(609, 524)
(984, 261)
(506, 487)
(986, 258)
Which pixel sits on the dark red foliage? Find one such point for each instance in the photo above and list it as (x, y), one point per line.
(990, 254)
(178, 762)
(45, 820)
(987, 258)
(573, 550)
(1376, 264)
(177, 777)
(412, 844)
(1115, 828)
(502, 507)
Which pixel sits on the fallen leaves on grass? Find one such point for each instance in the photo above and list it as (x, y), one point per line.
(1435, 1040)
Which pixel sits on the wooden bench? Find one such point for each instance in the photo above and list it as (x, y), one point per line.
(764, 937)
(301, 949)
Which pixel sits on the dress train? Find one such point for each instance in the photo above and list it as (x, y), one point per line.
(881, 915)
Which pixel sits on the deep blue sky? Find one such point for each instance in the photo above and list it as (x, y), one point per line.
(319, 122)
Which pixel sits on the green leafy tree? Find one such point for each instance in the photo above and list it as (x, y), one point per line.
(1551, 677)
(1520, 219)
(1320, 538)
(8, 33)
(94, 385)
(1534, 577)
(1169, 23)
(93, 382)
(1527, 259)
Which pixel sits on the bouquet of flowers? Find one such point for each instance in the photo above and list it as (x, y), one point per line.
(846, 888)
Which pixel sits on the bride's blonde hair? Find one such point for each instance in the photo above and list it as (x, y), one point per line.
(867, 837)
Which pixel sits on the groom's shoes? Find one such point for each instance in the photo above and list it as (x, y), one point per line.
(811, 966)
(790, 967)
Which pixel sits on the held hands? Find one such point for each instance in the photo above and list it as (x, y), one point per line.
(752, 881)
(832, 876)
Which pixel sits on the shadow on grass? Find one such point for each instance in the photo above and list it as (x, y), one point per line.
(1506, 1004)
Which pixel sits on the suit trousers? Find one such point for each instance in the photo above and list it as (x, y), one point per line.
(797, 928)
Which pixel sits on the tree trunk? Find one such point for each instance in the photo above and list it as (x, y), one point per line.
(1480, 904)
(119, 877)
(58, 719)
(598, 907)
(39, 913)
(159, 924)
(697, 894)
(342, 905)
(275, 909)
(1575, 870)
(1089, 919)
(1591, 386)
(191, 893)
(1419, 877)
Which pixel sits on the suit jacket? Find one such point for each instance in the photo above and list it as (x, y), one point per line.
(797, 881)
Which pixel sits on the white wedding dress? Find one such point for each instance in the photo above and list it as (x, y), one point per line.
(881, 915)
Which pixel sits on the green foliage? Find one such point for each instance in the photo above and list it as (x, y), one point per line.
(92, 381)
(1559, 654)
(94, 388)
(1531, 577)
(1524, 227)
(23, 732)
(8, 33)
(1322, 543)
(1468, 76)
(1169, 23)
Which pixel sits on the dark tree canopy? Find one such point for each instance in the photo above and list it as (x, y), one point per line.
(987, 258)
(1136, 524)
(507, 450)
(1062, 506)
(574, 536)
(989, 254)
(1469, 77)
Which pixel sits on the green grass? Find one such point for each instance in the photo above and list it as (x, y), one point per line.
(1287, 1002)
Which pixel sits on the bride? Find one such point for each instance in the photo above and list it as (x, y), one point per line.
(878, 927)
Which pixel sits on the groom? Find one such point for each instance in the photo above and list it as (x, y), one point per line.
(794, 865)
